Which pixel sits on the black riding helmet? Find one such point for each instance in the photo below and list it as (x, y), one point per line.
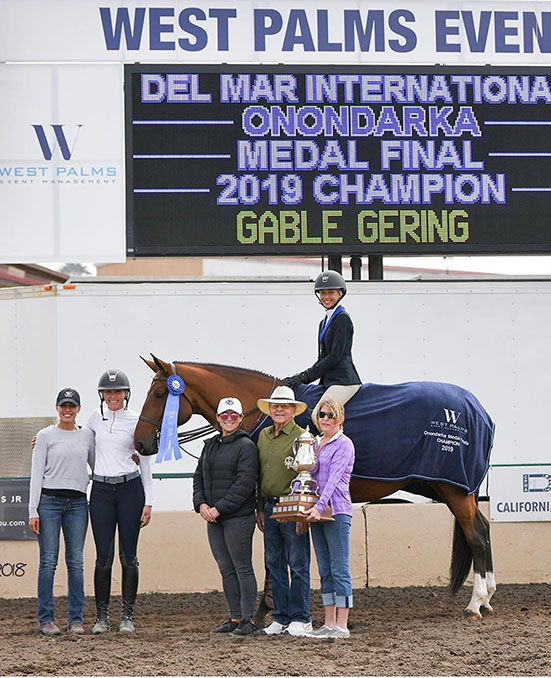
(113, 380)
(330, 280)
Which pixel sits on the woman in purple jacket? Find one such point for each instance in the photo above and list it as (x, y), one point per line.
(334, 462)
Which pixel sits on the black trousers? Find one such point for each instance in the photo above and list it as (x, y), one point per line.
(113, 506)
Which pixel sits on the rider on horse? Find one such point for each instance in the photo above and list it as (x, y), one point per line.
(334, 367)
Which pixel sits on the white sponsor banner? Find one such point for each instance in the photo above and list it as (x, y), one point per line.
(289, 31)
(520, 493)
(61, 163)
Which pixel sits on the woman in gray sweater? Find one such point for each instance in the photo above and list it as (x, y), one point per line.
(57, 501)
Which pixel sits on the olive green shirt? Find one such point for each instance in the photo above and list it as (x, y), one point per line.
(275, 478)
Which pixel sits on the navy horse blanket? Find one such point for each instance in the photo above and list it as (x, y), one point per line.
(420, 429)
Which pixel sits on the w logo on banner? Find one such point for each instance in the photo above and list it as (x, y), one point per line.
(61, 140)
(452, 415)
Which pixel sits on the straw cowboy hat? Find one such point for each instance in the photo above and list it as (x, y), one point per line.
(282, 395)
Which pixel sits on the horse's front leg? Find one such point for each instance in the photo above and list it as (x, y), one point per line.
(266, 603)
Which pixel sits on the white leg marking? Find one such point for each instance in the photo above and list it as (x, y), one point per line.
(491, 586)
(479, 597)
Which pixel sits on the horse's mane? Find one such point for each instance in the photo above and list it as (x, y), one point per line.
(231, 368)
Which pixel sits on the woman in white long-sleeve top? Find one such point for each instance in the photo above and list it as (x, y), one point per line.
(120, 497)
(57, 501)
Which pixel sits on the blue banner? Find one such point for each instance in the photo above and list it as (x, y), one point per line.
(168, 444)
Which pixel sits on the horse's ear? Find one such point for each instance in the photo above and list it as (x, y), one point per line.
(162, 366)
(150, 364)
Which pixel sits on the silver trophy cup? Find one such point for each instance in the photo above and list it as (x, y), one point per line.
(303, 462)
(303, 494)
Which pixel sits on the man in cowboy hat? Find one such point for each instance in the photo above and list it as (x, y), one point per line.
(286, 545)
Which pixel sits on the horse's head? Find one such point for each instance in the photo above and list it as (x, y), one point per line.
(151, 416)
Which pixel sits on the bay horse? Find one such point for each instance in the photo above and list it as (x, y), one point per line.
(206, 384)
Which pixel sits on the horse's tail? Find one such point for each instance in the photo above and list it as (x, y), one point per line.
(462, 559)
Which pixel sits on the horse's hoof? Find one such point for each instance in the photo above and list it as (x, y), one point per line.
(486, 610)
(471, 615)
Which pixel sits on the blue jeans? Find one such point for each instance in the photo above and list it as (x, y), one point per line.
(231, 543)
(285, 551)
(71, 516)
(332, 546)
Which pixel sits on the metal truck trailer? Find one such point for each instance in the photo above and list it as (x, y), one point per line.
(489, 336)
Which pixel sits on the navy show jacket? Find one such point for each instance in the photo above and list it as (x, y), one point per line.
(334, 364)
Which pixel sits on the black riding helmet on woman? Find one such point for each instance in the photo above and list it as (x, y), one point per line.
(334, 366)
(113, 380)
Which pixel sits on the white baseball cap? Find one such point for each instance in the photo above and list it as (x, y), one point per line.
(232, 404)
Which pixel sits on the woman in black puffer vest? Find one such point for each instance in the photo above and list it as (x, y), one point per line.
(224, 495)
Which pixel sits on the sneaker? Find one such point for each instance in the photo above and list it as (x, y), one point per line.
(126, 626)
(76, 627)
(297, 628)
(337, 632)
(321, 632)
(275, 628)
(50, 629)
(227, 627)
(246, 628)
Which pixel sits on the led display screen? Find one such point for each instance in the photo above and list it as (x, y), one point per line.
(313, 160)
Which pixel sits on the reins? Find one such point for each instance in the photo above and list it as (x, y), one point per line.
(203, 431)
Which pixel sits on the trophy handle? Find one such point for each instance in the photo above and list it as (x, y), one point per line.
(289, 462)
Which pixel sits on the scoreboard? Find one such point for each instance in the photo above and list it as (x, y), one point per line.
(314, 160)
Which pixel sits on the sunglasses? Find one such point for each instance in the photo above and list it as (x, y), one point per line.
(229, 415)
(329, 415)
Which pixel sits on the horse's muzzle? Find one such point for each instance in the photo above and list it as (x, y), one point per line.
(148, 450)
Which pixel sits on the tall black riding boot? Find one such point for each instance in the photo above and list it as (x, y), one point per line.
(102, 590)
(130, 574)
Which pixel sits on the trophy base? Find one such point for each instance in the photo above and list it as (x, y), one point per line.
(293, 507)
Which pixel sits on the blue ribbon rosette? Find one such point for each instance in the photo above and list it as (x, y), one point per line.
(168, 445)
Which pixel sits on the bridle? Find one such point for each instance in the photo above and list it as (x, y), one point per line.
(157, 422)
(202, 431)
